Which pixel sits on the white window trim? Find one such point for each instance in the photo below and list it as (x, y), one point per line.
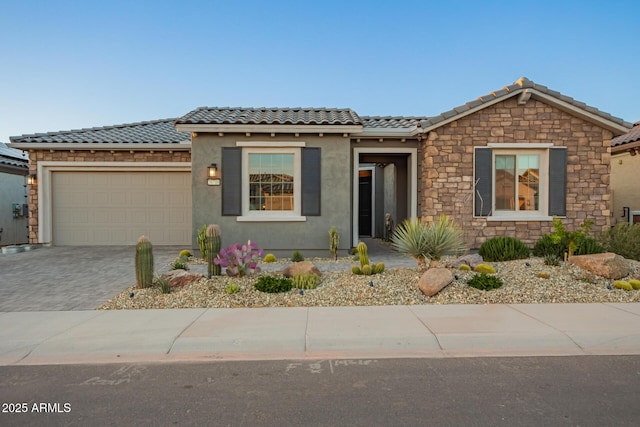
(270, 144)
(542, 150)
(272, 216)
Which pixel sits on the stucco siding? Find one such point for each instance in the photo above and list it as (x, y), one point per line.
(625, 170)
(12, 190)
(281, 238)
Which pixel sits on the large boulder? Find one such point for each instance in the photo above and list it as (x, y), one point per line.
(434, 280)
(608, 265)
(302, 267)
(472, 260)
(181, 278)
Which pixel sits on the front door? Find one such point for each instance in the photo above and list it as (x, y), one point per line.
(364, 205)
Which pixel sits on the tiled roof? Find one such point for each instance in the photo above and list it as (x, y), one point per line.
(13, 157)
(270, 116)
(386, 122)
(632, 136)
(151, 132)
(522, 83)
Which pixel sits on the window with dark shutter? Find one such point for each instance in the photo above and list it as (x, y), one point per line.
(311, 181)
(483, 180)
(558, 181)
(231, 175)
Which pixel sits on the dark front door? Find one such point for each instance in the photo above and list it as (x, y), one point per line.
(364, 205)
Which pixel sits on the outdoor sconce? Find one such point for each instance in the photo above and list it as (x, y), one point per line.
(31, 180)
(213, 176)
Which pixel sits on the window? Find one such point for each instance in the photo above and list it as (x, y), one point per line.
(271, 185)
(515, 182)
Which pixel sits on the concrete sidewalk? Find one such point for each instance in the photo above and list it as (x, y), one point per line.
(318, 332)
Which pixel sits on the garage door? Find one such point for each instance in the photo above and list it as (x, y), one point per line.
(115, 208)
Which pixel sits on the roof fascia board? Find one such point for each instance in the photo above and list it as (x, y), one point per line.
(14, 170)
(156, 146)
(572, 109)
(269, 128)
(625, 147)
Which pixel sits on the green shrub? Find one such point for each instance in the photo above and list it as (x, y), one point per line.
(552, 259)
(484, 268)
(270, 258)
(546, 246)
(184, 253)
(588, 245)
(635, 284)
(623, 239)
(297, 256)
(163, 284)
(428, 241)
(499, 249)
(464, 267)
(484, 282)
(272, 284)
(231, 288)
(621, 284)
(306, 281)
(179, 264)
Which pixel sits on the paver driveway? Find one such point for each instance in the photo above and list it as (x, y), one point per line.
(70, 278)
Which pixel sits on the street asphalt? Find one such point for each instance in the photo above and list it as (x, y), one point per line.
(47, 316)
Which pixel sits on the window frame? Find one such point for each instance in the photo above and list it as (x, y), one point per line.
(258, 215)
(543, 151)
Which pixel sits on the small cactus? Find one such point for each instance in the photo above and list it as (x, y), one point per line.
(184, 253)
(334, 241)
(484, 268)
(621, 284)
(367, 270)
(270, 258)
(356, 270)
(378, 268)
(212, 242)
(306, 281)
(144, 262)
(544, 275)
(635, 284)
(464, 267)
(362, 251)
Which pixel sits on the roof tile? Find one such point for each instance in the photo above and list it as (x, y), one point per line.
(632, 136)
(270, 116)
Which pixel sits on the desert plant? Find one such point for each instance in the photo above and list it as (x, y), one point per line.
(231, 288)
(546, 246)
(240, 260)
(552, 259)
(635, 284)
(212, 244)
(621, 284)
(503, 249)
(428, 241)
(544, 275)
(623, 239)
(272, 284)
(484, 268)
(202, 236)
(269, 258)
(378, 268)
(356, 269)
(334, 241)
(179, 264)
(144, 262)
(306, 281)
(185, 253)
(297, 256)
(363, 257)
(484, 282)
(464, 267)
(367, 270)
(163, 284)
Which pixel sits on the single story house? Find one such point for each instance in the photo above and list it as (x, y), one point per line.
(625, 170)
(502, 164)
(14, 167)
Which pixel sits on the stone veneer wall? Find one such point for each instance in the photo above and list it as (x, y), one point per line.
(87, 156)
(447, 173)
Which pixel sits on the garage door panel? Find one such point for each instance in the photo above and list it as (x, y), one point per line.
(115, 208)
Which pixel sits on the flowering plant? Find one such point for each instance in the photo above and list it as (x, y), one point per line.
(239, 260)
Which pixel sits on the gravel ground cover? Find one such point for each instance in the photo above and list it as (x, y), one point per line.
(339, 287)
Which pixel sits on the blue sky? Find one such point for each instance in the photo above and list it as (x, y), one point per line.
(73, 64)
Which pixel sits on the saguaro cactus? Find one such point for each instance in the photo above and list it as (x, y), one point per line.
(144, 262)
(212, 242)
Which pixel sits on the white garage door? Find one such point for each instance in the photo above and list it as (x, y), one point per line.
(115, 208)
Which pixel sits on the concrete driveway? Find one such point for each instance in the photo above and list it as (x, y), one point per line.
(70, 278)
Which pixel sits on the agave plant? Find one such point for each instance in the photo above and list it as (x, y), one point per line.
(430, 242)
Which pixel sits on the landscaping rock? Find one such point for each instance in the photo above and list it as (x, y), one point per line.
(472, 260)
(181, 278)
(607, 265)
(434, 280)
(302, 267)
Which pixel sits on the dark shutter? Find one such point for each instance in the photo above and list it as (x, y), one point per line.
(311, 181)
(231, 174)
(483, 179)
(558, 181)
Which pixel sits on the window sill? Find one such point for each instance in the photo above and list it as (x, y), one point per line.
(271, 218)
(519, 218)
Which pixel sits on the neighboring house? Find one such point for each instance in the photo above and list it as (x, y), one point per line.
(503, 164)
(625, 171)
(14, 167)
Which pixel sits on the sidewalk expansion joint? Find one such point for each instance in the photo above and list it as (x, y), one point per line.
(173, 342)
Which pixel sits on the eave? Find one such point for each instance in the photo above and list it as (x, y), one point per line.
(183, 146)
